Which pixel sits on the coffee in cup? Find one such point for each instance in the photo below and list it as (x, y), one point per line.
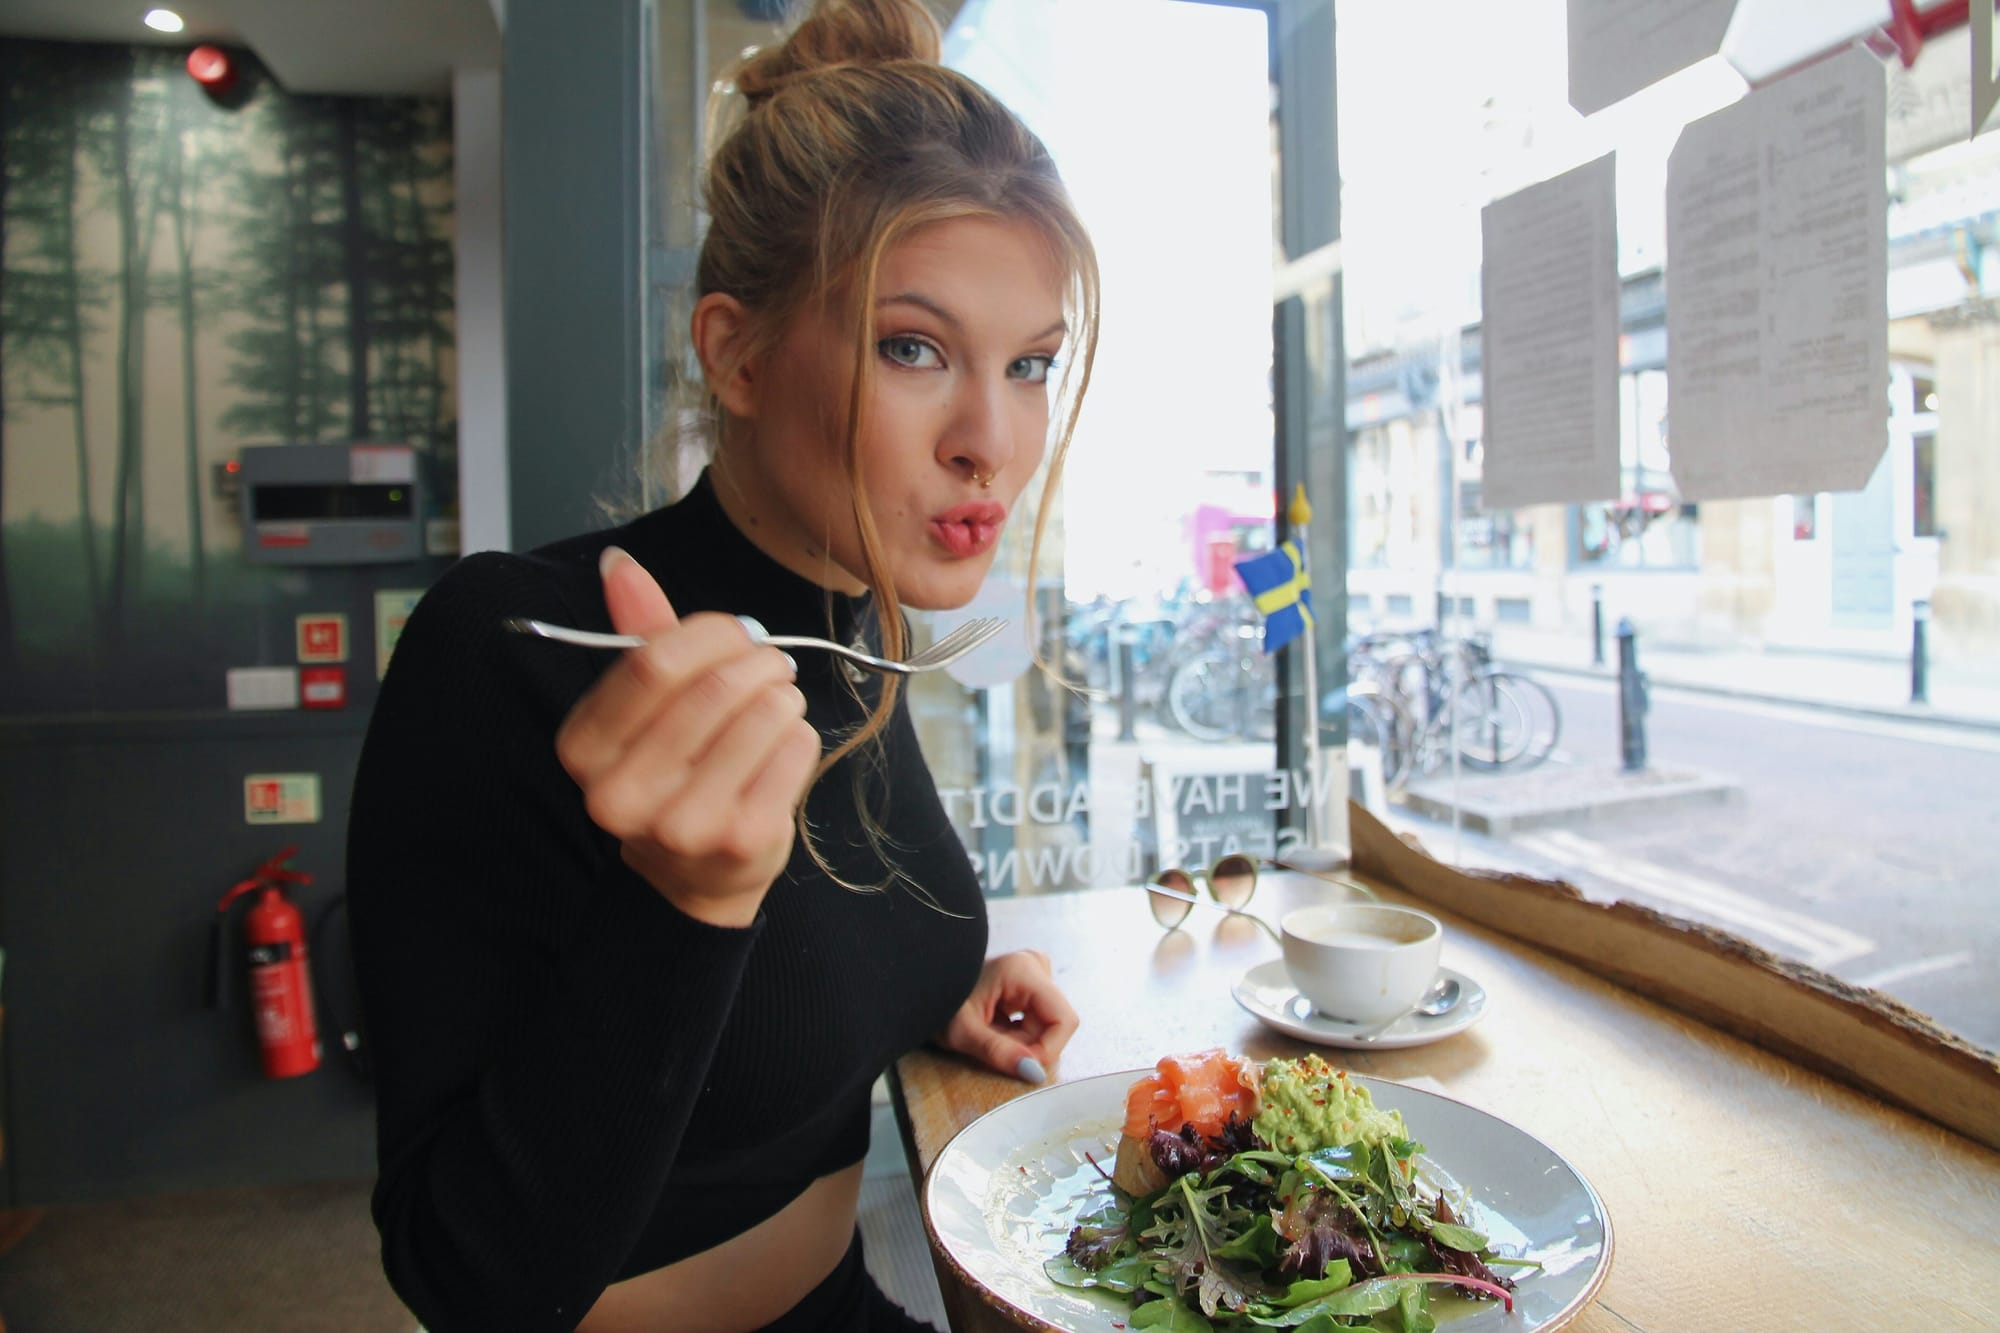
(1361, 962)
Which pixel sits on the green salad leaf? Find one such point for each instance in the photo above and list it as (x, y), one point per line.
(1203, 1226)
(1311, 1289)
(1363, 1298)
(1455, 1237)
(1412, 1313)
(1336, 1236)
(1123, 1276)
(1170, 1316)
(1258, 1244)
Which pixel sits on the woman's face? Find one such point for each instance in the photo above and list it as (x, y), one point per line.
(967, 322)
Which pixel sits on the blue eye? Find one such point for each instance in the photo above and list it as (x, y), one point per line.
(915, 353)
(1031, 369)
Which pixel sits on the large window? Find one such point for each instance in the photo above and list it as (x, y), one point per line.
(1647, 527)
(1165, 755)
(1383, 491)
(1495, 539)
(1486, 539)
(1785, 787)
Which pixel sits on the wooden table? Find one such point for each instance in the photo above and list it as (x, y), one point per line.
(1744, 1191)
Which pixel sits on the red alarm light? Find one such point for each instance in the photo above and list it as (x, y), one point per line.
(211, 67)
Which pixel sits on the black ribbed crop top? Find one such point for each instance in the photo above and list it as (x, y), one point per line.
(577, 1082)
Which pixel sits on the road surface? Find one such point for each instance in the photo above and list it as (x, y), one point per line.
(1868, 847)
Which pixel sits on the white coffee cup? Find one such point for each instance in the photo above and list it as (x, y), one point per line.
(1362, 962)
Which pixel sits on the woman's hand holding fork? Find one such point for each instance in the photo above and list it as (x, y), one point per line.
(693, 751)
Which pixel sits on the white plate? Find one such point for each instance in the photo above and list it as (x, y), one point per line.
(1002, 1196)
(1267, 991)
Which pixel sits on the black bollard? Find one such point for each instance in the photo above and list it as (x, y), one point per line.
(1128, 702)
(1920, 661)
(1597, 624)
(1632, 700)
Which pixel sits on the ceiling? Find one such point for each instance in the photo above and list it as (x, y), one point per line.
(359, 47)
(363, 47)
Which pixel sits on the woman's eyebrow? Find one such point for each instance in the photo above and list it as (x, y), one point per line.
(950, 320)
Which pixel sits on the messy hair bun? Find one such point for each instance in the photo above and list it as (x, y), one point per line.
(847, 135)
(842, 32)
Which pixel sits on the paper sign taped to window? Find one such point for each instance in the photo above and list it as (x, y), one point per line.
(1778, 290)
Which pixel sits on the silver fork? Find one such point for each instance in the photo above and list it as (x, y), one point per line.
(942, 653)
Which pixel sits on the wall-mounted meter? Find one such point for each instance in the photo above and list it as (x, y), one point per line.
(330, 504)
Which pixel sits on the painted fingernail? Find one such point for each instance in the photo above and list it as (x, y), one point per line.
(791, 662)
(610, 559)
(1030, 1070)
(755, 628)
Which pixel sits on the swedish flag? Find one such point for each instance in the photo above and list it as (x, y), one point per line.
(1277, 579)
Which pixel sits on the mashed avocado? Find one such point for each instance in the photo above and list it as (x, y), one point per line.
(1306, 1104)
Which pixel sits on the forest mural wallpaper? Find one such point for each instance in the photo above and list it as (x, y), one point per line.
(182, 276)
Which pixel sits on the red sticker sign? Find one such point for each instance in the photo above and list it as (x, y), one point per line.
(323, 638)
(323, 687)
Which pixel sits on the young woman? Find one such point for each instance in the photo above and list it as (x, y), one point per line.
(637, 933)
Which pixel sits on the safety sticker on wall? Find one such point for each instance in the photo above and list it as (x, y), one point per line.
(323, 637)
(281, 798)
(392, 611)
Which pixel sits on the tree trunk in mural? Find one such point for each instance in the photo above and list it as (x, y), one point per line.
(287, 255)
(137, 126)
(186, 219)
(9, 76)
(430, 250)
(140, 197)
(354, 246)
(74, 291)
(45, 320)
(131, 347)
(320, 242)
(49, 291)
(163, 120)
(394, 250)
(140, 125)
(296, 350)
(408, 241)
(395, 335)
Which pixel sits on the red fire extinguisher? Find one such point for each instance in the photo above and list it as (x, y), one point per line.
(280, 985)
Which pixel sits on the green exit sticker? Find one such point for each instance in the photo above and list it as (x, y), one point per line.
(392, 612)
(281, 798)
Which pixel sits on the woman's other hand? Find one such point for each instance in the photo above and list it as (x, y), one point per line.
(1016, 1020)
(693, 751)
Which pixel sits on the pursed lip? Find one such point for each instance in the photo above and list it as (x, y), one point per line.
(970, 528)
(976, 511)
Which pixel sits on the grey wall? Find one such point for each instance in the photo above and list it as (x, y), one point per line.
(121, 771)
(119, 830)
(121, 834)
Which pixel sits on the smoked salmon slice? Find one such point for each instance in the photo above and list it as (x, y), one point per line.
(1202, 1089)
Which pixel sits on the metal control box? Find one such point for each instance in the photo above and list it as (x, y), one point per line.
(331, 504)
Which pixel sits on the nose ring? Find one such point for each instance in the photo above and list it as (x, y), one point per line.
(985, 482)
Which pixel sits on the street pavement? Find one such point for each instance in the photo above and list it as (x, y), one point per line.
(1862, 841)
(1957, 693)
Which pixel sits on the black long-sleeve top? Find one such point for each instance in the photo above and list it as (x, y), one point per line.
(578, 1082)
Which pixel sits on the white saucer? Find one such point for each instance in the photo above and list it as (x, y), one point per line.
(1266, 990)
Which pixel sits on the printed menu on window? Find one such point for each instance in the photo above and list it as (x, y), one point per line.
(1777, 288)
(1549, 341)
(1617, 47)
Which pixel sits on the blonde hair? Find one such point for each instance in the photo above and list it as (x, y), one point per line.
(851, 136)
